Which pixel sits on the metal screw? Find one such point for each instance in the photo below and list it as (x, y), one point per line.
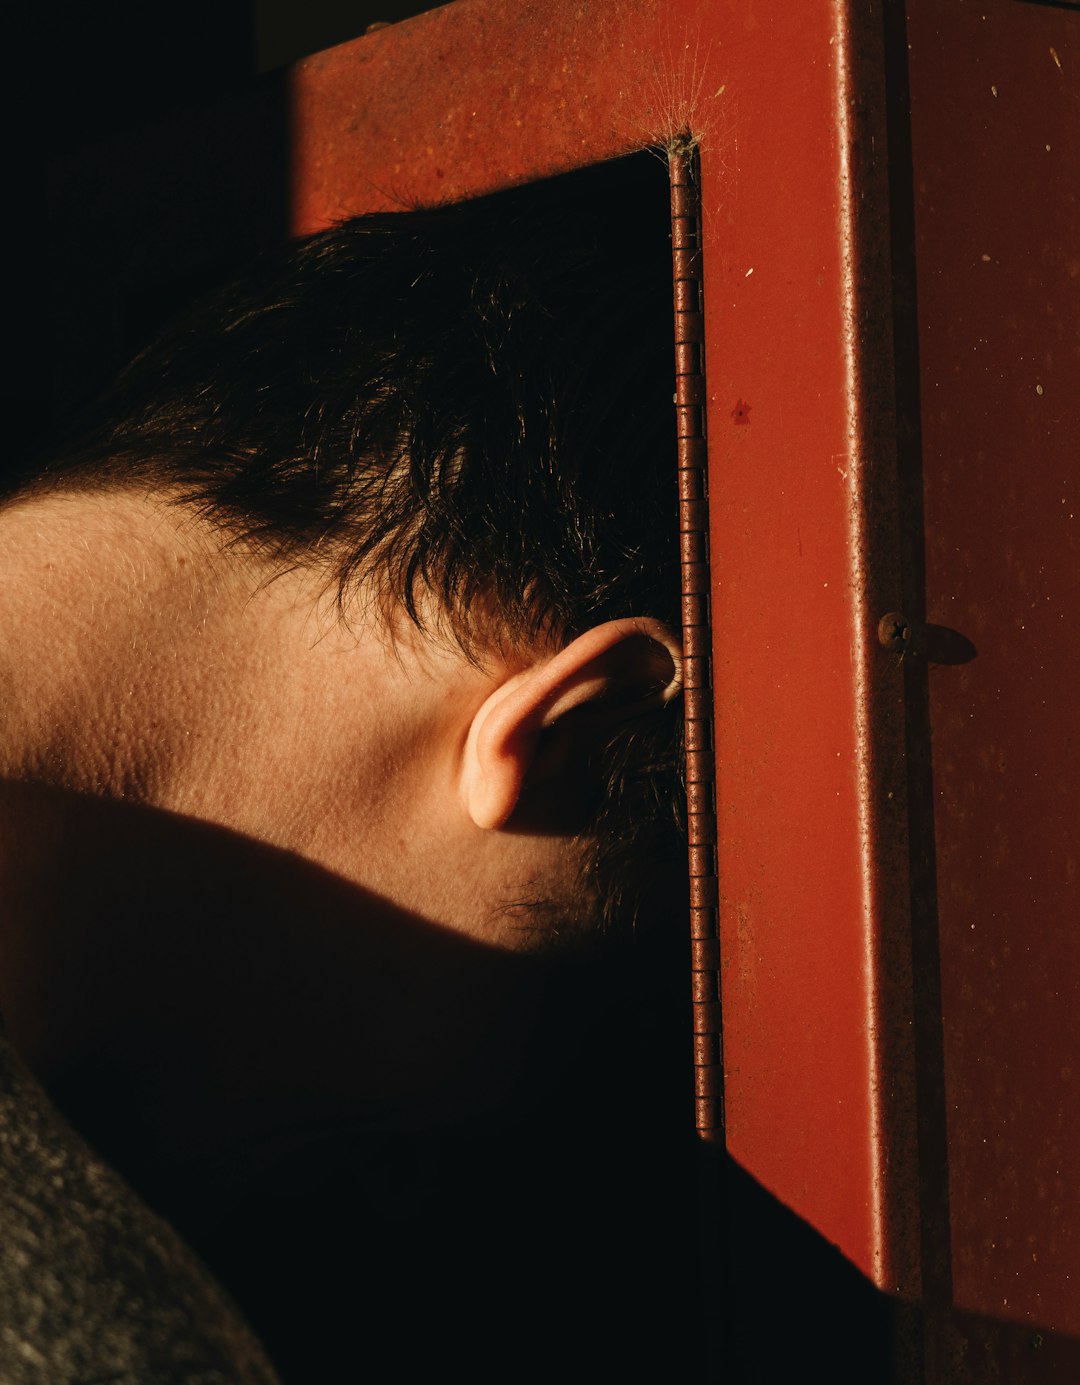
(894, 631)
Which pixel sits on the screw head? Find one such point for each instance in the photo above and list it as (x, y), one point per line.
(894, 631)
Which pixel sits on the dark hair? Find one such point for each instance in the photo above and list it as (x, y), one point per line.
(472, 401)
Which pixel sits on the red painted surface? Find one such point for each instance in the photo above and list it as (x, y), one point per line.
(996, 129)
(488, 92)
(475, 96)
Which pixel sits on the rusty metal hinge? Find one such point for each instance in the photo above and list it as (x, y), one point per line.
(697, 638)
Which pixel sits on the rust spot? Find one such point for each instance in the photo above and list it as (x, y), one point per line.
(741, 412)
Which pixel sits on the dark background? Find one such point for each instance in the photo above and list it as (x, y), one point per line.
(147, 160)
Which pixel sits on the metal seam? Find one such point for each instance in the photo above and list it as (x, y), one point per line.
(697, 641)
(855, 479)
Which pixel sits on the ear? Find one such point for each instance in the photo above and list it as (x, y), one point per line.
(535, 722)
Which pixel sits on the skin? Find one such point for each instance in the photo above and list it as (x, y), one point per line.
(143, 665)
(264, 867)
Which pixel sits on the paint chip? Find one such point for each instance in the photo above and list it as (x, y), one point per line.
(994, 90)
(986, 259)
(1038, 389)
(749, 272)
(1053, 54)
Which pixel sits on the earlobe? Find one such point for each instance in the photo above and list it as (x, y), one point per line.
(541, 723)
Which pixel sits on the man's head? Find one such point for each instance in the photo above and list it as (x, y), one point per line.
(399, 513)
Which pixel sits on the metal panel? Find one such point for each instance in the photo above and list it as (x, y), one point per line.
(995, 103)
(784, 99)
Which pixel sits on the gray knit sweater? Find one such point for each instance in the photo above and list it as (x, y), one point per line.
(93, 1286)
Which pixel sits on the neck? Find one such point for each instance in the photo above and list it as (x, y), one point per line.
(216, 928)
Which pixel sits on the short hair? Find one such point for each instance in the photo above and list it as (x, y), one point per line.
(470, 402)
